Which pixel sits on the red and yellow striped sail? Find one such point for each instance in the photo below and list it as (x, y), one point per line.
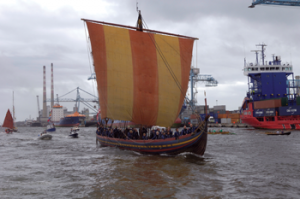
(134, 83)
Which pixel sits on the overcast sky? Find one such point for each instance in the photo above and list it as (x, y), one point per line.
(35, 33)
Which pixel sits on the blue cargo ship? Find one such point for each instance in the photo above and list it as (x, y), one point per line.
(71, 120)
(272, 100)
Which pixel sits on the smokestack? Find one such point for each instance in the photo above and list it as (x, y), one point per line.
(52, 87)
(44, 95)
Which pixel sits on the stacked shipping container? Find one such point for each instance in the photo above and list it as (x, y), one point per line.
(275, 107)
(234, 117)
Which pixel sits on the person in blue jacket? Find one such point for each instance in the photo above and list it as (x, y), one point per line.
(135, 134)
(105, 132)
(163, 135)
(192, 129)
(176, 134)
(111, 133)
(130, 135)
(144, 136)
(156, 136)
(184, 131)
(170, 132)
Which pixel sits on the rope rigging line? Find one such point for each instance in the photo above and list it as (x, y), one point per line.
(88, 50)
(167, 65)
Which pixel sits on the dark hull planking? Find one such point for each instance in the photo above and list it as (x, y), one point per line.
(194, 143)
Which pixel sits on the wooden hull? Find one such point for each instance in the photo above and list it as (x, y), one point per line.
(194, 143)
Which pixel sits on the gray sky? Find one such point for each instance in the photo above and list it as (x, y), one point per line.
(34, 33)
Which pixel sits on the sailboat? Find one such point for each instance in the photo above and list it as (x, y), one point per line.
(142, 76)
(8, 122)
(50, 126)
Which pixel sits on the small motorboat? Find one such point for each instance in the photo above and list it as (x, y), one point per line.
(75, 129)
(45, 136)
(73, 134)
(281, 133)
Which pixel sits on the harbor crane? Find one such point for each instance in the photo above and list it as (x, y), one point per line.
(196, 77)
(79, 99)
(275, 2)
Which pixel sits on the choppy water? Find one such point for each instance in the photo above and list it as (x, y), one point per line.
(246, 165)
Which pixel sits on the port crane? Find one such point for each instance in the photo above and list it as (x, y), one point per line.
(196, 77)
(79, 99)
(275, 2)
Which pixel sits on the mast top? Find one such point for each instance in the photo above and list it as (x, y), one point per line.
(139, 24)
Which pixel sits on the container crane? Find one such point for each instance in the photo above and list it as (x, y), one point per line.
(275, 2)
(79, 99)
(196, 77)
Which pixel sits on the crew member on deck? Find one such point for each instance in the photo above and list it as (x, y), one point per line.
(176, 134)
(163, 135)
(130, 135)
(184, 130)
(170, 132)
(111, 133)
(157, 136)
(144, 137)
(152, 133)
(135, 134)
(192, 129)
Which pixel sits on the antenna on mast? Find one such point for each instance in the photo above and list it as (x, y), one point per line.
(256, 53)
(262, 52)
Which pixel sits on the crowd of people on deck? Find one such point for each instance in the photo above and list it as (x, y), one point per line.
(143, 134)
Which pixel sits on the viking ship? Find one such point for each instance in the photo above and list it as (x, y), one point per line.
(142, 76)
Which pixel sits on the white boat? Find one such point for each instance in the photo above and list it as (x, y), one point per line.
(75, 128)
(45, 136)
(73, 134)
(74, 131)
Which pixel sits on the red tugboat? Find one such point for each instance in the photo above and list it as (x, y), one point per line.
(272, 100)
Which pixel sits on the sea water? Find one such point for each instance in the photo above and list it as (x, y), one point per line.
(248, 164)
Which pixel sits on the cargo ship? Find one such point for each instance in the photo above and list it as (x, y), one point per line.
(71, 120)
(272, 100)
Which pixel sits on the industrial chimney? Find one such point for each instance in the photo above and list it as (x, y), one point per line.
(44, 95)
(52, 87)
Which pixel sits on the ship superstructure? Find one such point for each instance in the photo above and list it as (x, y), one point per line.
(272, 101)
(57, 113)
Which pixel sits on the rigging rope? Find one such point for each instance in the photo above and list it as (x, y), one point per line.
(165, 61)
(88, 50)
